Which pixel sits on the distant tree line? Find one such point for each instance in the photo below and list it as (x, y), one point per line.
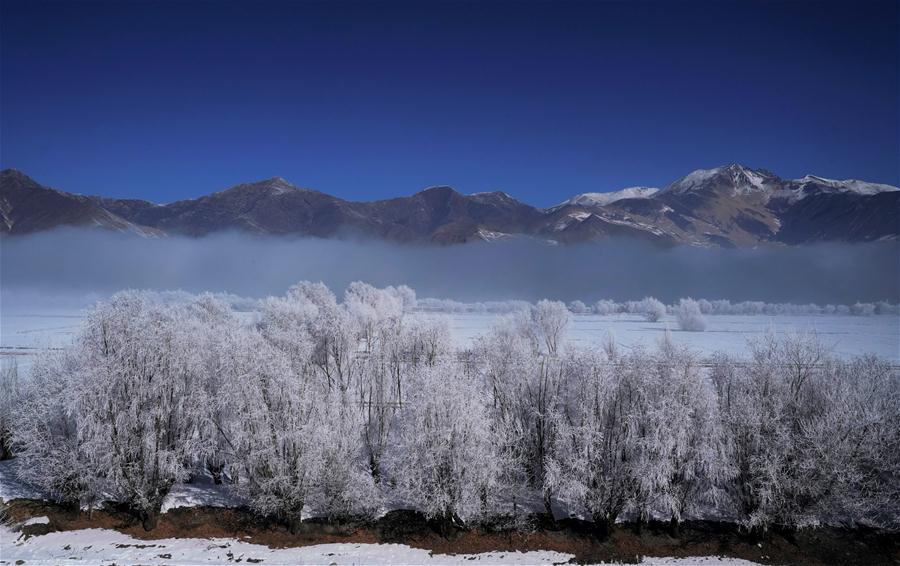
(649, 306)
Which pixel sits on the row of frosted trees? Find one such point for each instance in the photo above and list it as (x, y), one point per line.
(344, 409)
(651, 305)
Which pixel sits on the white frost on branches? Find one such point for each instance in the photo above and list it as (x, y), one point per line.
(342, 408)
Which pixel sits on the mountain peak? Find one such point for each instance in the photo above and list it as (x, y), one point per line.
(735, 177)
(437, 190)
(274, 185)
(11, 173)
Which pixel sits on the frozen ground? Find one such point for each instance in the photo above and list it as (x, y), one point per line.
(202, 491)
(845, 335)
(104, 546)
(101, 546)
(25, 330)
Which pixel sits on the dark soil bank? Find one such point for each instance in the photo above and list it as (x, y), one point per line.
(626, 543)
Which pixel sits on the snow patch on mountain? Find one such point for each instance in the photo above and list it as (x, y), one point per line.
(799, 189)
(852, 185)
(602, 199)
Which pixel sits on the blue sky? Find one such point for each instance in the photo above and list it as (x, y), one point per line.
(365, 100)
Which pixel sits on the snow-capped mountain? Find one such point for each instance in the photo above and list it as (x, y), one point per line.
(735, 178)
(602, 199)
(728, 206)
(808, 185)
(851, 185)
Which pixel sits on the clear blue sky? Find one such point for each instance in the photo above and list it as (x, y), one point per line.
(364, 100)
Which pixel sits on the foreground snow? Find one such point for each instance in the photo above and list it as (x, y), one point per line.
(102, 546)
(93, 546)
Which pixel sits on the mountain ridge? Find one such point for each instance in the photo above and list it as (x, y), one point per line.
(727, 206)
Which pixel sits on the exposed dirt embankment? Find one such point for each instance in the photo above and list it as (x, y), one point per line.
(626, 543)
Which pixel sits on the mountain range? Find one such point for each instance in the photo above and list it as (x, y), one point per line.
(728, 206)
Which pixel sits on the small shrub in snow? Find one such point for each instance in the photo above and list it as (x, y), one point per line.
(652, 309)
(606, 307)
(862, 309)
(689, 317)
(578, 307)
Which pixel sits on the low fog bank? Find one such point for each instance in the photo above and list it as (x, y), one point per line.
(82, 263)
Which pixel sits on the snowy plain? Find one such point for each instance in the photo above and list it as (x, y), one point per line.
(845, 335)
(25, 330)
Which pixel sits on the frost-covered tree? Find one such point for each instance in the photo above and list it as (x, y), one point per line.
(406, 295)
(592, 465)
(578, 307)
(370, 308)
(690, 449)
(638, 436)
(549, 320)
(319, 406)
(797, 423)
(45, 435)
(525, 386)
(689, 316)
(651, 308)
(278, 453)
(9, 397)
(285, 323)
(606, 307)
(345, 487)
(884, 307)
(219, 340)
(865, 483)
(445, 461)
(138, 400)
(862, 309)
(426, 339)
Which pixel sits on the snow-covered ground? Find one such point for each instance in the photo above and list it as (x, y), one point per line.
(202, 491)
(23, 331)
(102, 546)
(13, 488)
(845, 335)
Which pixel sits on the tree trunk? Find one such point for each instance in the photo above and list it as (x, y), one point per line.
(374, 469)
(149, 519)
(602, 528)
(675, 527)
(294, 521)
(639, 526)
(5, 450)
